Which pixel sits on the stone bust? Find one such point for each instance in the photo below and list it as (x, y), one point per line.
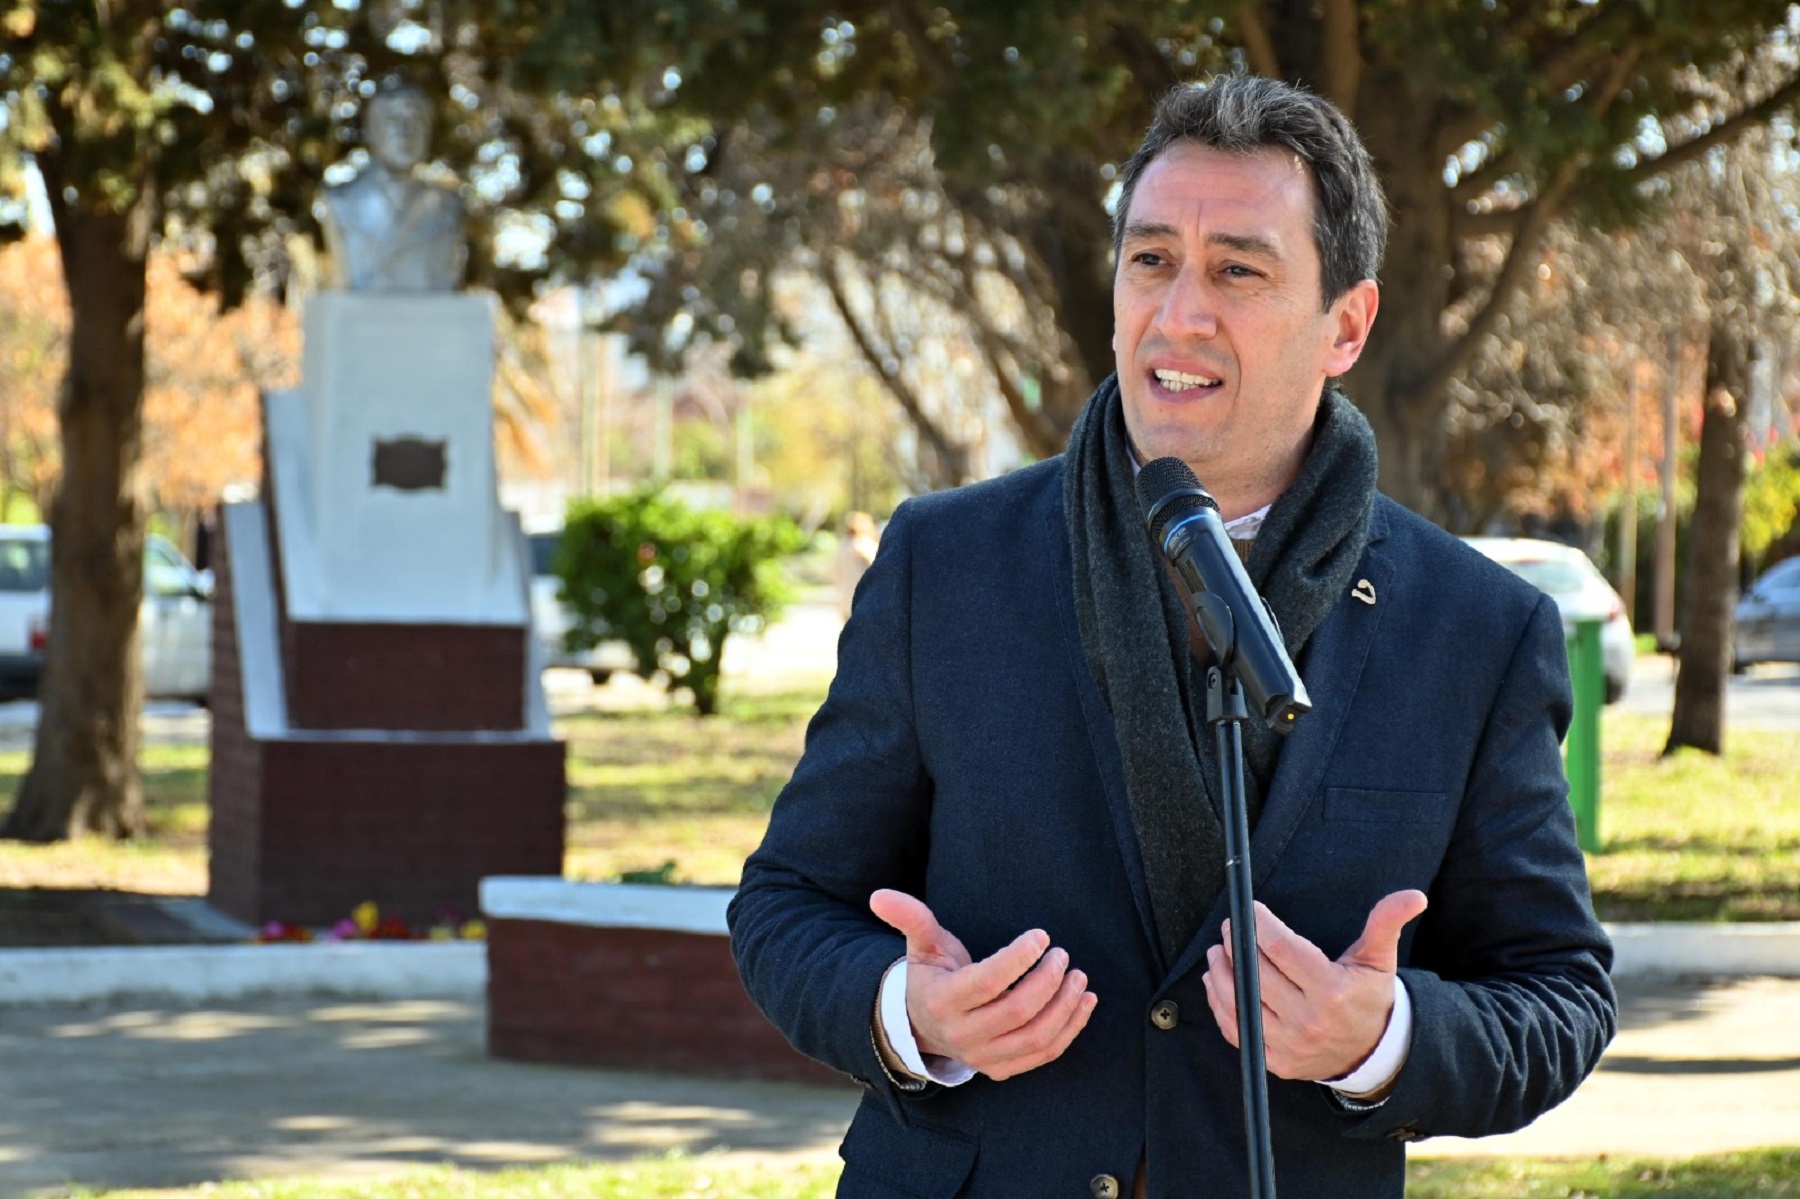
(387, 229)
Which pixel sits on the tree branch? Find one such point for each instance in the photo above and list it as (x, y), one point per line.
(1727, 130)
(1532, 222)
(1340, 62)
(1041, 434)
(1488, 224)
(948, 452)
(1259, 48)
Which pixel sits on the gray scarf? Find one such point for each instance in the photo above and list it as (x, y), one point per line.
(1134, 631)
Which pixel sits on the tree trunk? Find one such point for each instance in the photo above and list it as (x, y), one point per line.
(84, 762)
(1073, 241)
(1705, 657)
(1408, 339)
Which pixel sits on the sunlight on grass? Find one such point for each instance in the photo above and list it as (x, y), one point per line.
(1687, 838)
(1694, 837)
(676, 1179)
(170, 861)
(1767, 1173)
(651, 787)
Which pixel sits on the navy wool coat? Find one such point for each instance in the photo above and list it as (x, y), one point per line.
(964, 755)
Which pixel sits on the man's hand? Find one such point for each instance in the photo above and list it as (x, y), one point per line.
(1003, 1015)
(1321, 1019)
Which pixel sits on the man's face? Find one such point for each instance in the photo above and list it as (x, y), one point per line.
(398, 131)
(1222, 343)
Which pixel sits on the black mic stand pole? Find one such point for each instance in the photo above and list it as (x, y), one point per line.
(1226, 713)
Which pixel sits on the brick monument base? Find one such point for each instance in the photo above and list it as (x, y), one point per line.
(627, 978)
(321, 802)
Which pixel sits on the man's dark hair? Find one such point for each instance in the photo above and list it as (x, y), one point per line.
(1244, 113)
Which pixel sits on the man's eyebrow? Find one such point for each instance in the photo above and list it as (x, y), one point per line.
(1146, 231)
(1246, 243)
(1243, 243)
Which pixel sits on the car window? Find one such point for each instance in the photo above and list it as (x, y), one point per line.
(24, 565)
(165, 571)
(543, 552)
(1549, 575)
(1781, 577)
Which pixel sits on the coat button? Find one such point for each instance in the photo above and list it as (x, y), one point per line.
(1165, 1014)
(1104, 1186)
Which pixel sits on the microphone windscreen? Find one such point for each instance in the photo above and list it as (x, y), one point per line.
(1169, 491)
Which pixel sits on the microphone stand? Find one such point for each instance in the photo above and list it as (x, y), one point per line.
(1226, 713)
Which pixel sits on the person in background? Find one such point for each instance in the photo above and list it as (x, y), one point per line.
(855, 552)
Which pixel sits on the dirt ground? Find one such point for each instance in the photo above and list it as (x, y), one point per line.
(49, 918)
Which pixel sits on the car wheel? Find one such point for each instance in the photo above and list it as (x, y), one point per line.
(1739, 665)
(600, 676)
(1615, 690)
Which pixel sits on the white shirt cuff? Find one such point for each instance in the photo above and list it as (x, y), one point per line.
(1390, 1052)
(898, 1028)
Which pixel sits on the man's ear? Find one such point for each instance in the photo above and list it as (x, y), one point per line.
(1352, 316)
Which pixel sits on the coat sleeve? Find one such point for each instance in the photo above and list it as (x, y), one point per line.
(1512, 1002)
(854, 818)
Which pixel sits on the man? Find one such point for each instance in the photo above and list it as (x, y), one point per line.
(993, 890)
(388, 230)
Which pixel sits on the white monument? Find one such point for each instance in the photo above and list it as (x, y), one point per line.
(386, 493)
(380, 730)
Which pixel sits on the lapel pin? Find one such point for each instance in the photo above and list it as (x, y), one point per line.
(1364, 591)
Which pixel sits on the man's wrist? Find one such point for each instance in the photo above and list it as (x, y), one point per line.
(893, 1029)
(1374, 1078)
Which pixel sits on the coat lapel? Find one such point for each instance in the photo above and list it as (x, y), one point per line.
(1334, 664)
(1098, 719)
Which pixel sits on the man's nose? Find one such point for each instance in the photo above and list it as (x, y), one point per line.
(1189, 307)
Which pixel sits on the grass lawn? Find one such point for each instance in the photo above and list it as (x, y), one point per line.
(1769, 1174)
(1695, 837)
(170, 861)
(1690, 838)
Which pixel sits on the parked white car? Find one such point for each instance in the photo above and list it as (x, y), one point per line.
(174, 624)
(551, 621)
(1581, 592)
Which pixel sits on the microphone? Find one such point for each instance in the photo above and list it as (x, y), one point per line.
(1184, 521)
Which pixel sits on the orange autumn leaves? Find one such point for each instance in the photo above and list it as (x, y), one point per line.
(203, 371)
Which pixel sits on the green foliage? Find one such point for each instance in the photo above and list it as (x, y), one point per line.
(221, 118)
(1771, 502)
(671, 582)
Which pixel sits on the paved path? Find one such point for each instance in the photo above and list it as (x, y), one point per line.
(1764, 697)
(135, 1096)
(149, 1097)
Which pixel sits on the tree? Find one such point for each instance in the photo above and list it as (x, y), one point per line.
(1743, 248)
(1484, 121)
(209, 125)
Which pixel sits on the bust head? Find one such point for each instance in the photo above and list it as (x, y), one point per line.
(397, 127)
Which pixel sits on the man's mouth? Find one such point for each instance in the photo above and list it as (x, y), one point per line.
(1180, 381)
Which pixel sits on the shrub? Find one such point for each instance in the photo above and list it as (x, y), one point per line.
(672, 583)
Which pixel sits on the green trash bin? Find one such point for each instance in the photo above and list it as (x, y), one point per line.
(1581, 753)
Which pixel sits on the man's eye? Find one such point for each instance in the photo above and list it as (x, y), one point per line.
(1240, 272)
(1147, 258)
